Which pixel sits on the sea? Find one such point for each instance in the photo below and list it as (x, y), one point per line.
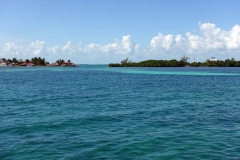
(96, 112)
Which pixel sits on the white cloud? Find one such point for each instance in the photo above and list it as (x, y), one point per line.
(233, 38)
(161, 41)
(194, 42)
(36, 47)
(13, 49)
(67, 46)
(123, 47)
(211, 42)
(215, 38)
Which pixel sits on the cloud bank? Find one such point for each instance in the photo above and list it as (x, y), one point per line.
(211, 41)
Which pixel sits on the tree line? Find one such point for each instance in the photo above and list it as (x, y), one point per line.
(183, 62)
(37, 61)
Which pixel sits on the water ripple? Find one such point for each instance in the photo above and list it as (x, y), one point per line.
(125, 113)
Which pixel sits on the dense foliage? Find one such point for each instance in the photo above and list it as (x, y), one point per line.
(36, 61)
(60, 61)
(174, 63)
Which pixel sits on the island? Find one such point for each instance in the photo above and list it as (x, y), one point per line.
(35, 62)
(183, 62)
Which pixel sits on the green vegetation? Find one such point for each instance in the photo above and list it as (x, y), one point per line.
(37, 61)
(183, 62)
(34, 62)
(60, 61)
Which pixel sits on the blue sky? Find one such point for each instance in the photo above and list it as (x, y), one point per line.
(28, 25)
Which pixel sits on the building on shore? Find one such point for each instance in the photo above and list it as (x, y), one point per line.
(213, 59)
(3, 64)
(54, 64)
(26, 64)
(35, 62)
(11, 65)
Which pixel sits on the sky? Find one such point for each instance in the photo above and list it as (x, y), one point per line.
(108, 31)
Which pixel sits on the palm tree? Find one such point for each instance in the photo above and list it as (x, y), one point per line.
(27, 61)
(60, 61)
(184, 60)
(14, 60)
(125, 62)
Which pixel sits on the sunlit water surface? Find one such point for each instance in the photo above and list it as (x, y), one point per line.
(96, 112)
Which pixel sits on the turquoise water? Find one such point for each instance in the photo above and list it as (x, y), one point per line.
(96, 112)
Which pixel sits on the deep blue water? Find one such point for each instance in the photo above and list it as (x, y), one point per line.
(96, 112)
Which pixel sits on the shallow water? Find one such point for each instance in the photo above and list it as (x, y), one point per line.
(96, 112)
